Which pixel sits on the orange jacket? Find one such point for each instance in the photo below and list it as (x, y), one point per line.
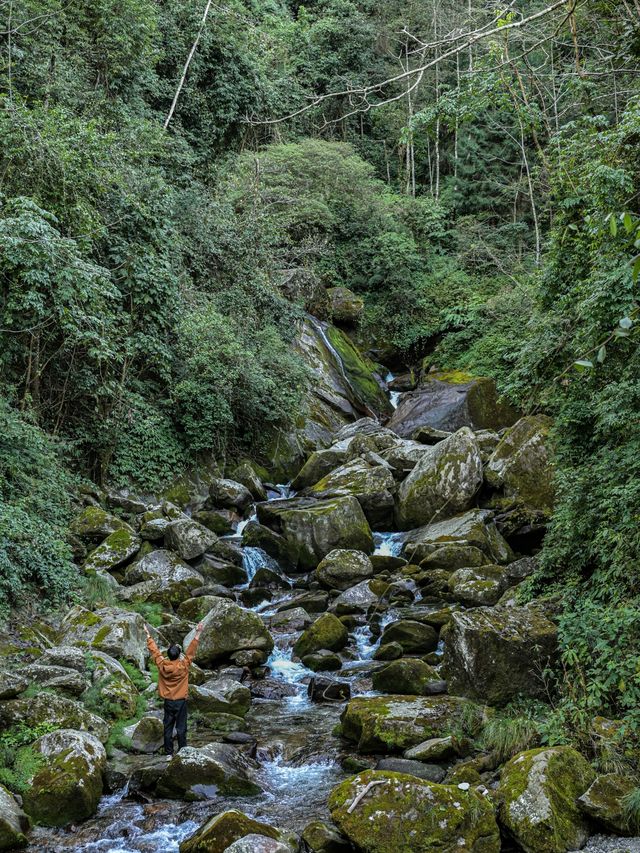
(173, 675)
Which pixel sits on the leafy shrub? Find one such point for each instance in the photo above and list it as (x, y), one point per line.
(18, 763)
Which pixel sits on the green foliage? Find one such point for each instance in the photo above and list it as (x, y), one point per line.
(150, 611)
(505, 736)
(95, 591)
(134, 674)
(34, 512)
(19, 763)
(631, 810)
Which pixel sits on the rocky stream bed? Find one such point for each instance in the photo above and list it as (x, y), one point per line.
(361, 628)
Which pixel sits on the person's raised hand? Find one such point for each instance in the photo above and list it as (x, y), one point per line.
(146, 630)
(199, 628)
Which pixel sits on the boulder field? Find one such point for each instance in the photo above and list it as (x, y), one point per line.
(367, 635)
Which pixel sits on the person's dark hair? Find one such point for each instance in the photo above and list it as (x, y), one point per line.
(173, 652)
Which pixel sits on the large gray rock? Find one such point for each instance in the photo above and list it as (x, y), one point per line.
(204, 772)
(443, 483)
(12, 684)
(116, 550)
(229, 494)
(222, 830)
(189, 538)
(168, 578)
(53, 710)
(119, 633)
(221, 696)
(474, 528)
(68, 787)
(95, 524)
(67, 656)
(373, 486)
(496, 654)
(449, 402)
(343, 568)
(538, 797)
(58, 678)
(14, 823)
(479, 586)
(228, 628)
(314, 528)
(318, 465)
(521, 465)
(327, 632)
(345, 306)
(356, 599)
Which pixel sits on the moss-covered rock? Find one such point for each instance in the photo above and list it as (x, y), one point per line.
(603, 802)
(188, 538)
(345, 306)
(478, 586)
(373, 485)
(222, 522)
(314, 528)
(404, 814)
(327, 632)
(220, 831)
(119, 633)
(221, 696)
(247, 473)
(323, 837)
(14, 823)
(147, 735)
(414, 637)
(12, 684)
(435, 750)
(116, 550)
(343, 568)
(443, 483)
(474, 528)
(538, 795)
(450, 558)
(521, 465)
(229, 494)
(357, 599)
(200, 773)
(318, 465)
(68, 785)
(55, 711)
(496, 654)
(388, 651)
(410, 676)
(228, 628)
(395, 723)
(95, 524)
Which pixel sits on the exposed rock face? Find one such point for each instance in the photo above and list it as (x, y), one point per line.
(221, 696)
(116, 550)
(414, 637)
(312, 529)
(443, 483)
(247, 475)
(496, 654)
(119, 633)
(478, 586)
(146, 735)
(68, 786)
(327, 632)
(345, 306)
(373, 486)
(475, 528)
(14, 823)
(449, 401)
(394, 723)
(443, 818)
(57, 678)
(12, 684)
(95, 524)
(356, 599)
(410, 676)
(229, 494)
(342, 568)
(521, 466)
(538, 795)
(220, 831)
(227, 629)
(189, 538)
(55, 710)
(603, 802)
(198, 773)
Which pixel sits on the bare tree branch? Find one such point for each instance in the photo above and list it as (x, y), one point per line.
(187, 64)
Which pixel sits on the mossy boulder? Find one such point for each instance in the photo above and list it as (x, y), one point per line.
(322, 661)
(388, 651)
(227, 629)
(475, 528)
(169, 580)
(12, 684)
(14, 823)
(318, 465)
(68, 786)
(538, 799)
(404, 814)
(603, 802)
(395, 723)
(450, 558)
(435, 750)
(119, 633)
(221, 696)
(497, 654)
(59, 678)
(414, 637)
(147, 735)
(95, 524)
(201, 773)
(521, 464)
(189, 538)
(118, 548)
(449, 401)
(343, 568)
(222, 522)
(55, 711)
(220, 831)
(345, 306)
(373, 485)
(247, 474)
(314, 528)
(443, 483)
(482, 585)
(327, 632)
(410, 676)
(323, 837)
(229, 494)
(357, 599)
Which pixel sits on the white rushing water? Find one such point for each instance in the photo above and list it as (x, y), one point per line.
(388, 544)
(254, 559)
(394, 396)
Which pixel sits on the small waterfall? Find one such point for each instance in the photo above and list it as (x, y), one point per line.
(366, 644)
(388, 544)
(254, 559)
(394, 396)
(282, 666)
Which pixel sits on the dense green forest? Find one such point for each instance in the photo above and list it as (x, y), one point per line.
(480, 193)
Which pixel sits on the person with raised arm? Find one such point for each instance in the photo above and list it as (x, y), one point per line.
(173, 686)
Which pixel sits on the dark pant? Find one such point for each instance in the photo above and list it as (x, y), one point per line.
(175, 714)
